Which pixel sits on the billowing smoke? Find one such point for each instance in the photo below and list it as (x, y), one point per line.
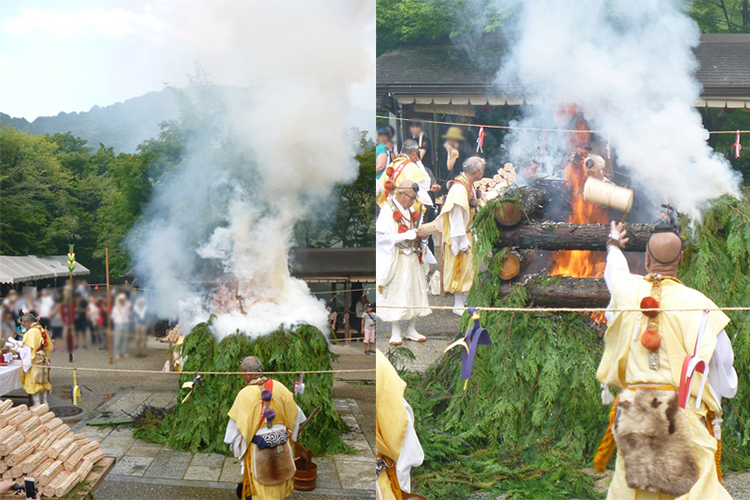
(629, 67)
(217, 233)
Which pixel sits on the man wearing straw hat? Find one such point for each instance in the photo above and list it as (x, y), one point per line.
(666, 426)
(458, 214)
(402, 266)
(454, 138)
(262, 419)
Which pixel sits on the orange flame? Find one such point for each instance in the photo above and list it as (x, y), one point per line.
(581, 263)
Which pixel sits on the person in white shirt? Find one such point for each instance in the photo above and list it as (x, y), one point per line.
(121, 320)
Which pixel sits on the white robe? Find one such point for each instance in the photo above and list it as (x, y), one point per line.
(722, 378)
(401, 278)
(411, 455)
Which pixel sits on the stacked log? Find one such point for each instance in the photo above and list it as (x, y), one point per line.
(34, 443)
(521, 233)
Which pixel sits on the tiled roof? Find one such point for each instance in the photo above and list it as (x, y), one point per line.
(446, 69)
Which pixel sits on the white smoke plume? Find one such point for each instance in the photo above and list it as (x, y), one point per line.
(221, 225)
(630, 67)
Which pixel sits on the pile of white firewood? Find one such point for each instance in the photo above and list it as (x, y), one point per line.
(35, 443)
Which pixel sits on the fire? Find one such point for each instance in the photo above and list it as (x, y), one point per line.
(581, 263)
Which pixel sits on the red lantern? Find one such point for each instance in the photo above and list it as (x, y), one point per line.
(650, 303)
(651, 340)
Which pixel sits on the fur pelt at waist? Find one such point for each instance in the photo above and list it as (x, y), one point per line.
(653, 436)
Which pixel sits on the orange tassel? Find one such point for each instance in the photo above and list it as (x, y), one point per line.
(604, 453)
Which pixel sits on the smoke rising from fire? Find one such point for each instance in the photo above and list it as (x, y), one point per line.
(629, 67)
(218, 230)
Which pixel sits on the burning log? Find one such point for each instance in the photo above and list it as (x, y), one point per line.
(523, 201)
(567, 236)
(546, 291)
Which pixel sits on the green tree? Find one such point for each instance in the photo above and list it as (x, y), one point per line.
(35, 214)
(722, 16)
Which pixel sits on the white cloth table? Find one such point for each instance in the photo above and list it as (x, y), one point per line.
(10, 377)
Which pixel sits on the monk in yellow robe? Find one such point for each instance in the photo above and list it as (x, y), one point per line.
(407, 167)
(663, 451)
(458, 213)
(249, 417)
(396, 441)
(37, 346)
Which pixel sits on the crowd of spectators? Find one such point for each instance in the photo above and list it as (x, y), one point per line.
(130, 314)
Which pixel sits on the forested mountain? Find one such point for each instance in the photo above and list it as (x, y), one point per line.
(121, 126)
(124, 125)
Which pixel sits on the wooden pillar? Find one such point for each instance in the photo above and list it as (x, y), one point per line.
(347, 329)
(109, 306)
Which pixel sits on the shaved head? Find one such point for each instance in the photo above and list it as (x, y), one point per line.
(664, 253)
(406, 194)
(251, 365)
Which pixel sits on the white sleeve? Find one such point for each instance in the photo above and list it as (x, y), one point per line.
(424, 192)
(721, 374)
(617, 266)
(411, 453)
(25, 354)
(385, 242)
(458, 218)
(616, 270)
(300, 418)
(233, 437)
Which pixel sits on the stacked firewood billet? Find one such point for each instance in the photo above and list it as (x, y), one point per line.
(35, 443)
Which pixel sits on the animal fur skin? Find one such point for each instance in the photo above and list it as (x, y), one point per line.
(273, 466)
(653, 436)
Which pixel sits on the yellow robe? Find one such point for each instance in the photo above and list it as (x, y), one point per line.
(411, 172)
(458, 272)
(625, 362)
(391, 418)
(246, 414)
(33, 339)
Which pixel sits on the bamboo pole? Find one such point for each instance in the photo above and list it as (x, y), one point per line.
(70, 321)
(109, 306)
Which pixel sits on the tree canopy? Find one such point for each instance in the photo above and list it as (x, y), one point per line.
(57, 189)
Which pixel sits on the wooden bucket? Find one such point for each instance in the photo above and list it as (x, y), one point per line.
(608, 194)
(306, 477)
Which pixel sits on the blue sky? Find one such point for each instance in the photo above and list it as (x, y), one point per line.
(69, 55)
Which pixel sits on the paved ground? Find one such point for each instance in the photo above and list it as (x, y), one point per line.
(149, 468)
(441, 328)
(145, 470)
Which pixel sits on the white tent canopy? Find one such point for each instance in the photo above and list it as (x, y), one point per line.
(31, 268)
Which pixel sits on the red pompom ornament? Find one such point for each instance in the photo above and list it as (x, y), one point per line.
(402, 229)
(651, 340)
(650, 303)
(415, 216)
(389, 171)
(388, 185)
(397, 216)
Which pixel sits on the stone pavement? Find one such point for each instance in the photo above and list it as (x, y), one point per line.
(156, 469)
(440, 327)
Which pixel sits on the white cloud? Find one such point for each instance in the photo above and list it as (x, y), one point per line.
(114, 23)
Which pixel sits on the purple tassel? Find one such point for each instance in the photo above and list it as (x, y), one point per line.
(270, 415)
(266, 395)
